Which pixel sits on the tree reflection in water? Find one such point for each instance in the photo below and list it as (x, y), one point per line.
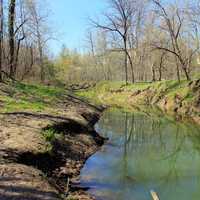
(146, 153)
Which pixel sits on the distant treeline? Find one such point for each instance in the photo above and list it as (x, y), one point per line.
(139, 41)
(133, 41)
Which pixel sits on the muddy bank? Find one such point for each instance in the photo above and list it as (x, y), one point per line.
(32, 166)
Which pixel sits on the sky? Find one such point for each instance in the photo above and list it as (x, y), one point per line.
(69, 21)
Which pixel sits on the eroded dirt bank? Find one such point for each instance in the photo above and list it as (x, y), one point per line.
(32, 168)
(183, 102)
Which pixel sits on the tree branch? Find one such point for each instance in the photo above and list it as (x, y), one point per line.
(18, 28)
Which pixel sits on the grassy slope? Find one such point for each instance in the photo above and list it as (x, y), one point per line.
(37, 98)
(170, 96)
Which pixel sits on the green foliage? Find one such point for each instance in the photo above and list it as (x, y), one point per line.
(49, 135)
(15, 105)
(68, 66)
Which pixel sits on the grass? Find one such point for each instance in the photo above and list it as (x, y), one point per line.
(104, 88)
(50, 135)
(38, 98)
(118, 94)
(25, 97)
(103, 92)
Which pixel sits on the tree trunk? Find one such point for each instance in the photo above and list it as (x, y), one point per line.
(40, 48)
(161, 66)
(160, 74)
(42, 75)
(186, 74)
(11, 22)
(153, 73)
(1, 38)
(131, 64)
(17, 53)
(125, 59)
(126, 68)
(177, 70)
(178, 73)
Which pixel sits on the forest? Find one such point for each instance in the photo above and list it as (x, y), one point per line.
(132, 41)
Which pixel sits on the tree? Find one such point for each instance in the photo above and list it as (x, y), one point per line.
(91, 47)
(161, 67)
(11, 22)
(23, 39)
(1, 37)
(119, 21)
(36, 22)
(39, 31)
(174, 26)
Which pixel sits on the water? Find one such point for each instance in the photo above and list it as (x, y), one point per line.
(143, 154)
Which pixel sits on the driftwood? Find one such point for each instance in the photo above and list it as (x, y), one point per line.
(154, 195)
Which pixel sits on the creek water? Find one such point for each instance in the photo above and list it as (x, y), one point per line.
(144, 153)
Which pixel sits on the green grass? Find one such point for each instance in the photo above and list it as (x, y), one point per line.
(40, 90)
(50, 135)
(105, 92)
(22, 97)
(105, 88)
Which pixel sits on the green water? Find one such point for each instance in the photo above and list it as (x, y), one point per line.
(144, 153)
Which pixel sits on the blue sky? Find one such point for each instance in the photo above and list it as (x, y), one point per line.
(69, 19)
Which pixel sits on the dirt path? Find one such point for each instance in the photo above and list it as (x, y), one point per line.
(32, 168)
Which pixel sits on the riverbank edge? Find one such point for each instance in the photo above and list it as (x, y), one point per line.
(179, 100)
(52, 166)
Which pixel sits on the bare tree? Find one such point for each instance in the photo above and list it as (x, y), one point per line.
(136, 36)
(174, 26)
(91, 47)
(119, 22)
(37, 25)
(39, 31)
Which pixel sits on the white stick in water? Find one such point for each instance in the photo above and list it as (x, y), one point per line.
(154, 195)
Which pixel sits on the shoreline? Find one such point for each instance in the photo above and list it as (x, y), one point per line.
(32, 168)
(180, 100)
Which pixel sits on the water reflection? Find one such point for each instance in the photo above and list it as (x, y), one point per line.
(145, 153)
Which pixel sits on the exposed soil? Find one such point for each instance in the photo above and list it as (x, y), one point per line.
(32, 168)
